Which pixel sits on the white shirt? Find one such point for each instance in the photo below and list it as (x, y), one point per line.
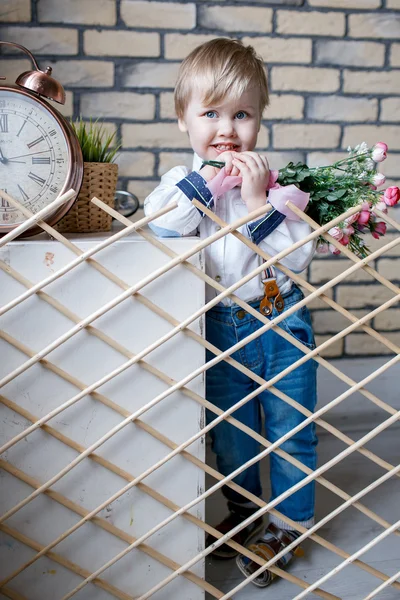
(228, 259)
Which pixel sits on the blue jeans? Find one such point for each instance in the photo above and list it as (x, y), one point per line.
(267, 355)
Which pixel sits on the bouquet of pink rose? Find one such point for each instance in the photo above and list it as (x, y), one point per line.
(331, 190)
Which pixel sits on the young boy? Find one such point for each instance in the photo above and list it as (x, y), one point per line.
(220, 96)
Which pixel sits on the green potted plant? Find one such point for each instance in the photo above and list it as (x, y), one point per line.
(100, 175)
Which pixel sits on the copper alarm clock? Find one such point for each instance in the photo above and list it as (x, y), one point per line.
(40, 157)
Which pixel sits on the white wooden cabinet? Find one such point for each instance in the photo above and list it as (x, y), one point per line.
(35, 324)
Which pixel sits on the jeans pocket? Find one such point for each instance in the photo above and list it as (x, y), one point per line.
(299, 326)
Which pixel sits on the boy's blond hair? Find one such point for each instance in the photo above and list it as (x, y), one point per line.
(220, 67)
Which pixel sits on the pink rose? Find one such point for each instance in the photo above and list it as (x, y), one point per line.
(364, 217)
(333, 249)
(345, 240)
(349, 230)
(322, 248)
(336, 233)
(378, 179)
(381, 206)
(379, 229)
(352, 218)
(391, 196)
(379, 152)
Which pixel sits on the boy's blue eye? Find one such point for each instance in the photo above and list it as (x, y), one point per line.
(210, 114)
(241, 115)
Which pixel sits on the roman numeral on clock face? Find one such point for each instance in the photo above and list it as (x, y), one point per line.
(4, 123)
(40, 160)
(36, 178)
(22, 126)
(39, 139)
(23, 193)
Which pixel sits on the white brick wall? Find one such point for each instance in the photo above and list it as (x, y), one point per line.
(359, 4)
(316, 23)
(158, 15)
(334, 76)
(112, 104)
(236, 18)
(306, 136)
(15, 11)
(374, 25)
(89, 12)
(42, 40)
(286, 50)
(362, 82)
(355, 54)
(121, 43)
(339, 108)
(305, 79)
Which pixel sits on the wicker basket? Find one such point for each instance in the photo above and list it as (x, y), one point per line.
(100, 180)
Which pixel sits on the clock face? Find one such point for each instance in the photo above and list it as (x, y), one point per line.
(34, 155)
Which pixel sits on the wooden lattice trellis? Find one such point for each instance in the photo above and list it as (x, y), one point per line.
(128, 291)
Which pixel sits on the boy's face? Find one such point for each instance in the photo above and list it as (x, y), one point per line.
(232, 125)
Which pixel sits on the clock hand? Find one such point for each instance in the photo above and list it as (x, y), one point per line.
(31, 154)
(2, 157)
(21, 162)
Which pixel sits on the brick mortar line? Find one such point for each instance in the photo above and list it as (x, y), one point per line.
(123, 60)
(198, 30)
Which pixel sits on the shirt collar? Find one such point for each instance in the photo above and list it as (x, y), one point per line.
(197, 162)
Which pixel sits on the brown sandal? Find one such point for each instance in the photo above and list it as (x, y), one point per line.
(242, 537)
(277, 540)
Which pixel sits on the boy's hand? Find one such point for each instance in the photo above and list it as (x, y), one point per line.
(209, 172)
(254, 170)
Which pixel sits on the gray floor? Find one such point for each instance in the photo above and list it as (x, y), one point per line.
(350, 531)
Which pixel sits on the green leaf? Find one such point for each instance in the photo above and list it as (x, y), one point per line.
(95, 143)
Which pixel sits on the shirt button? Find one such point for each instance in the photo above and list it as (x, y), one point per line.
(217, 278)
(241, 314)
